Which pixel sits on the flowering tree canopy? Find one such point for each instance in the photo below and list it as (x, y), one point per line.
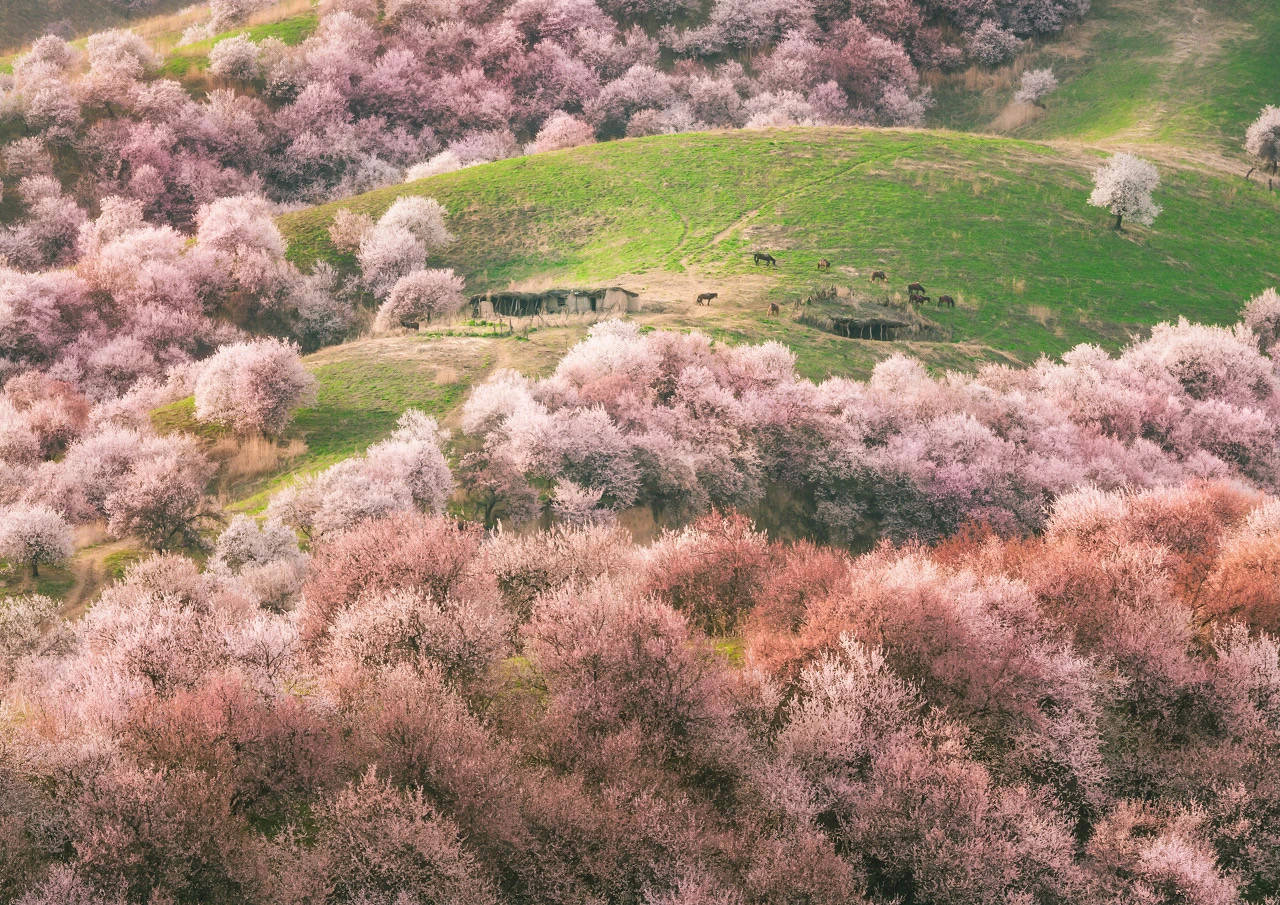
(253, 387)
(1124, 185)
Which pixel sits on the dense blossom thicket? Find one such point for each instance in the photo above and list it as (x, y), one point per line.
(423, 713)
(682, 425)
(381, 89)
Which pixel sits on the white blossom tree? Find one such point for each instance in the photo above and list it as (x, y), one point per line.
(1262, 140)
(35, 535)
(235, 58)
(1124, 185)
(1037, 84)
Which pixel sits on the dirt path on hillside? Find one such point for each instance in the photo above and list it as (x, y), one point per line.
(89, 569)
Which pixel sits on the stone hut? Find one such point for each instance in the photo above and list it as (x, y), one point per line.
(512, 303)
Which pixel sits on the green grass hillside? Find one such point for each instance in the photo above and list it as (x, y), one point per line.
(1001, 225)
(1184, 73)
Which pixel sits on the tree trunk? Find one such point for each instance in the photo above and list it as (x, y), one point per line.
(35, 568)
(1119, 219)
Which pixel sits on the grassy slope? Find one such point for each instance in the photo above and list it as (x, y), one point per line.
(1174, 72)
(1001, 225)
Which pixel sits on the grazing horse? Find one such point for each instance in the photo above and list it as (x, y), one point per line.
(946, 301)
(824, 264)
(917, 299)
(764, 257)
(774, 309)
(916, 287)
(879, 275)
(409, 325)
(705, 298)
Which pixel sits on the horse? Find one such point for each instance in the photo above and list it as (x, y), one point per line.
(946, 301)
(763, 256)
(920, 299)
(705, 298)
(409, 325)
(879, 275)
(916, 287)
(774, 309)
(824, 264)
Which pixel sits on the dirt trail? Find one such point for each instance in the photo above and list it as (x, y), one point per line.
(89, 569)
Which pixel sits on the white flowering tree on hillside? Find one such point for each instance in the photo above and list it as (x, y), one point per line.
(1124, 185)
(1262, 141)
(1036, 85)
(35, 535)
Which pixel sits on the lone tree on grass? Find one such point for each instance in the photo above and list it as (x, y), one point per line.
(33, 535)
(1037, 84)
(1262, 142)
(1124, 185)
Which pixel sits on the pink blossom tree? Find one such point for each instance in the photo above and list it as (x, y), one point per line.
(235, 58)
(253, 387)
(561, 130)
(160, 499)
(420, 296)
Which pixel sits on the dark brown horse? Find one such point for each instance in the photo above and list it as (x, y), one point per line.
(917, 299)
(763, 257)
(824, 264)
(774, 309)
(705, 298)
(916, 287)
(946, 301)
(879, 275)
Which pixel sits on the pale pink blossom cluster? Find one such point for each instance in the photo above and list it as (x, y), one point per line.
(681, 424)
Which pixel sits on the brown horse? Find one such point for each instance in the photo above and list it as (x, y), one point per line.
(946, 301)
(879, 276)
(917, 299)
(916, 287)
(763, 257)
(774, 309)
(706, 297)
(824, 264)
